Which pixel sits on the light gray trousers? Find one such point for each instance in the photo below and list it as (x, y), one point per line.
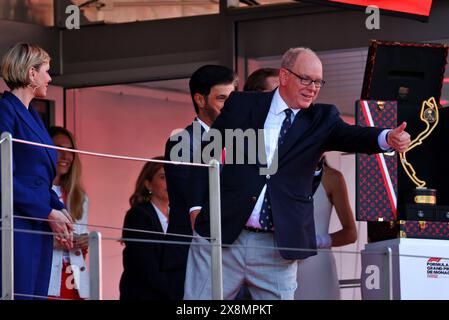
(267, 275)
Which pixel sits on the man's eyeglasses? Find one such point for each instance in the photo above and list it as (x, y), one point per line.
(307, 81)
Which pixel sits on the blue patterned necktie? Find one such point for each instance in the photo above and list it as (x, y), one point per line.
(265, 217)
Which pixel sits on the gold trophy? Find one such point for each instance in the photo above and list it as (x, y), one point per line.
(429, 115)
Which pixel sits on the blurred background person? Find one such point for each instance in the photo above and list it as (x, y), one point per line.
(142, 278)
(263, 79)
(317, 275)
(69, 275)
(25, 71)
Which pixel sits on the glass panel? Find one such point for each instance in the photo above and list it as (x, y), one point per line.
(444, 101)
(30, 11)
(121, 11)
(244, 3)
(118, 11)
(264, 2)
(343, 71)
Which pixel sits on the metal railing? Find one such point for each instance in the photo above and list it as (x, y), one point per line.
(7, 217)
(95, 277)
(349, 283)
(95, 238)
(7, 258)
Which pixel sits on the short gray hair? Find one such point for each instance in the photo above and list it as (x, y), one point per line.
(289, 58)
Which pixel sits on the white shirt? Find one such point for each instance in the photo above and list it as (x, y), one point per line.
(206, 128)
(272, 126)
(58, 191)
(74, 256)
(203, 124)
(162, 218)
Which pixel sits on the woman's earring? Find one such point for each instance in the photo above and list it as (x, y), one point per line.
(33, 87)
(150, 192)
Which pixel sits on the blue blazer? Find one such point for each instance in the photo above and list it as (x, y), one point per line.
(34, 169)
(179, 187)
(315, 130)
(142, 277)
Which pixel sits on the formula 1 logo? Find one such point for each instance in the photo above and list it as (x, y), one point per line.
(437, 268)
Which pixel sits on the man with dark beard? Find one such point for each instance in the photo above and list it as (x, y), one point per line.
(210, 86)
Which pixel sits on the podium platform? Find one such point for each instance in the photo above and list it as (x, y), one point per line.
(405, 269)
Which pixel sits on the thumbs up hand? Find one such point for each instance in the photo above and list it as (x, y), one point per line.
(398, 138)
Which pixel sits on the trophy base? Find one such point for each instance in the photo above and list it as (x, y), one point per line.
(422, 207)
(424, 196)
(423, 212)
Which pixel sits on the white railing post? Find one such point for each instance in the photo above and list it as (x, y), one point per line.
(7, 222)
(215, 230)
(95, 277)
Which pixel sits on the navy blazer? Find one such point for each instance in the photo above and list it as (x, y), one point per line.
(142, 277)
(315, 130)
(34, 169)
(180, 192)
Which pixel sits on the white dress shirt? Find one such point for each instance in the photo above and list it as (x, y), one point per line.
(203, 124)
(206, 128)
(162, 218)
(77, 262)
(272, 127)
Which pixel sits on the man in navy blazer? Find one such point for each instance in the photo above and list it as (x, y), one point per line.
(276, 209)
(210, 86)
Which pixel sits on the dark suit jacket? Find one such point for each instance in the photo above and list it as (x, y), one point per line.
(34, 169)
(179, 187)
(142, 278)
(315, 130)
